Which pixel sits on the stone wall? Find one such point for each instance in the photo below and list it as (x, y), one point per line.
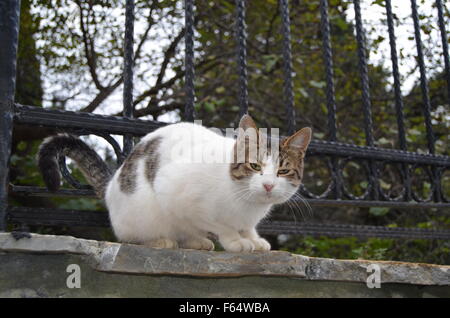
(40, 267)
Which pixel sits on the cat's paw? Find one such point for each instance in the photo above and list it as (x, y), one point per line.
(261, 244)
(239, 245)
(198, 244)
(162, 243)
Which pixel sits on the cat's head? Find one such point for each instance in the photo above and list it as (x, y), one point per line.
(268, 170)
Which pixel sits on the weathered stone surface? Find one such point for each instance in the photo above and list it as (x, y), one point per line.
(49, 244)
(138, 259)
(44, 275)
(36, 267)
(391, 272)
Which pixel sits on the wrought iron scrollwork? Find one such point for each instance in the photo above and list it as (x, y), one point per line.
(395, 183)
(120, 157)
(416, 196)
(304, 191)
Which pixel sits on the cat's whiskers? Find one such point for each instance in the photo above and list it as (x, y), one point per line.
(294, 208)
(305, 202)
(236, 195)
(297, 199)
(291, 208)
(294, 205)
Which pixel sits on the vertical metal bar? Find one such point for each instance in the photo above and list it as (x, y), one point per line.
(423, 79)
(128, 72)
(241, 35)
(367, 107)
(398, 97)
(444, 44)
(189, 113)
(287, 66)
(331, 102)
(396, 75)
(439, 194)
(425, 99)
(329, 74)
(9, 33)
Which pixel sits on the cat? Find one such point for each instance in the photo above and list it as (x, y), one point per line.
(162, 198)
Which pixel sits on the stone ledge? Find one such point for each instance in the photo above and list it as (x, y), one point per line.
(135, 259)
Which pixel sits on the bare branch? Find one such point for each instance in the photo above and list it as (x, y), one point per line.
(89, 49)
(155, 89)
(156, 110)
(170, 52)
(101, 96)
(144, 37)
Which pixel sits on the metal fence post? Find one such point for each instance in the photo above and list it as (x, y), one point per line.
(287, 66)
(9, 33)
(189, 110)
(241, 37)
(128, 73)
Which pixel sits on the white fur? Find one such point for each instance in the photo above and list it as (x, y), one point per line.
(190, 199)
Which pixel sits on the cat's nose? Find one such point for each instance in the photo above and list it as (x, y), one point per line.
(268, 186)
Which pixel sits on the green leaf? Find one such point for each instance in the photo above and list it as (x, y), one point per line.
(383, 141)
(220, 90)
(317, 84)
(210, 107)
(378, 211)
(384, 185)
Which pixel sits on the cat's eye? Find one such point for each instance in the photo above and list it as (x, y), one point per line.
(283, 171)
(255, 166)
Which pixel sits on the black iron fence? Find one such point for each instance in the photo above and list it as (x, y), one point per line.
(337, 154)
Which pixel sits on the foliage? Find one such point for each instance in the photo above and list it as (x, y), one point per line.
(343, 248)
(422, 251)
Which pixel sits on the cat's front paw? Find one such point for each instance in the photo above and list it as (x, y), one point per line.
(261, 244)
(198, 244)
(162, 243)
(239, 245)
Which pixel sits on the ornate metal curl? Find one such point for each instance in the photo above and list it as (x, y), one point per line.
(347, 193)
(401, 196)
(428, 172)
(441, 172)
(325, 194)
(120, 157)
(68, 176)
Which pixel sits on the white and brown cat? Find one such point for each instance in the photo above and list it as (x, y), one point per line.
(156, 199)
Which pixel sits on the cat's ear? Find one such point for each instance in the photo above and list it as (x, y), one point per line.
(300, 140)
(247, 130)
(247, 140)
(247, 122)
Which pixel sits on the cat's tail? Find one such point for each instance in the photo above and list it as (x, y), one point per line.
(87, 160)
